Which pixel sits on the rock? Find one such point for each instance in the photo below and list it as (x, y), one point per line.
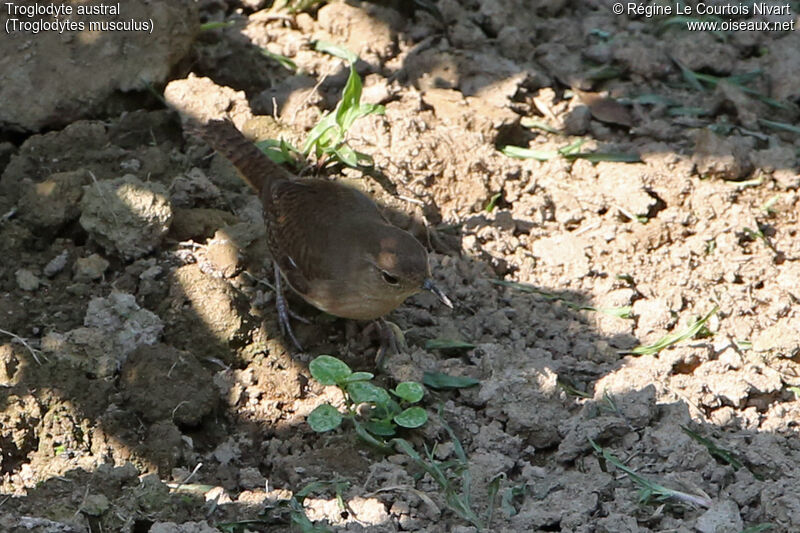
(566, 251)
(218, 313)
(223, 254)
(784, 67)
(27, 280)
(162, 383)
(54, 201)
(89, 268)
(576, 121)
(121, 318)
(95, 505)
(722, 157)
(56, 264)
(126, 216)
(186, 527)
(356, 29)
(193, 187)
(722, 517)
(781, 336)
(472, 113)
(89, 349)
(90, 66)
(202, 99)
(116, 326)
(653, 315)
(198, 224)
(704, 52)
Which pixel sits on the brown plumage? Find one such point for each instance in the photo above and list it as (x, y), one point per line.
(331, 243)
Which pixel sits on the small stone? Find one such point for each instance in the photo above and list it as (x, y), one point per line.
(89, 268)
(722, 157)
(722, 517)
(126, 216)
(251, 478)
(27, 280)
(56, 264)
(95, 505)
(223, 254)
(576, 121)
(54, 202)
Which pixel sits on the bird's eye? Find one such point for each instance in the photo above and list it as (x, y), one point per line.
(388, 278)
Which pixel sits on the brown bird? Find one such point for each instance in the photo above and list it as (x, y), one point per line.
(328, 241)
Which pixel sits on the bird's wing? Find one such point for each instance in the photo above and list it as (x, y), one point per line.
(311, 228)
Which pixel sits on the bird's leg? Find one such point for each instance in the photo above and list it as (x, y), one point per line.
(388, 333)
(284, 313)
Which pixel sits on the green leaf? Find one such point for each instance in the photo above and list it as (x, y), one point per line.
(674, 338)
(715, 450)
(324, 418)
(492, 202)
(572, 148)
(382, 428)
(364, 391)
(519, 152)
(281, 155)
(410, 391)
(351, 97)
(329, 370)
(284, 61)
(780, 125)
(441, 381)
(447, 344)
(336, 50)
(352, 114)
(369, 438)
(346, 155)
(323, 133)
(413, 417)
(358, 376)
(617, 157)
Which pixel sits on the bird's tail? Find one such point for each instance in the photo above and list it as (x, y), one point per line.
(254, 166)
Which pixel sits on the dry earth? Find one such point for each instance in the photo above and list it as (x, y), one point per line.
(133, 266)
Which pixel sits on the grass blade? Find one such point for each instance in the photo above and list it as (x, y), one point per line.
(673, 338)
(519, 152)
(649, 489)
(716, 451)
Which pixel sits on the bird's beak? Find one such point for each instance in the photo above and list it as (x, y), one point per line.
(429, 286)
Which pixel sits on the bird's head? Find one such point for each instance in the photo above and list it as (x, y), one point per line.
(400, 266)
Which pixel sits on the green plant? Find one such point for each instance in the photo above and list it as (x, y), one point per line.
(328, 138)
(383, 415)
(695, 328)
(290, 510)
(455, 480)
(650, 490)
(716, 451)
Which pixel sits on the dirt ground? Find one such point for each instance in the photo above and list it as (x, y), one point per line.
(144, 383)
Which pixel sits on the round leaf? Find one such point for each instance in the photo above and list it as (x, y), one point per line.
(413, 417)
(359, 376)
(364, 391)
(329, 370)
(324, 418)
(381, 428)
(410, 391)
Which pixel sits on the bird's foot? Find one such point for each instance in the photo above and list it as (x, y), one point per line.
(284, 313)
(389, 334)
